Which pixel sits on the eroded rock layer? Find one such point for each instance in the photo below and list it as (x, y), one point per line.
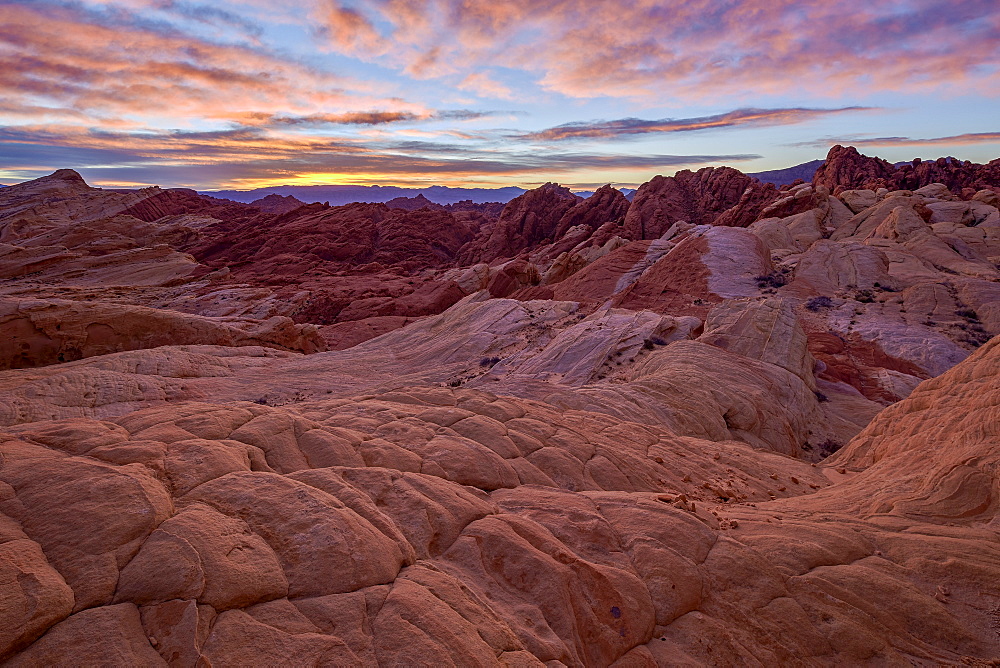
(723, 424)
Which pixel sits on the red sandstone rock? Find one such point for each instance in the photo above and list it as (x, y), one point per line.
(35, 333)
(526, 221)
(178, 201)
(347, 236)
(699, 198)
(846, 168)
(535, 571)
(606, 205)
(275, 203)
(412, 203)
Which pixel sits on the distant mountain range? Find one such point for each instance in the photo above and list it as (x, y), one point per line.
(949, 160)
(805, 171)
(628, 192)
(338, 195)
(780, 177)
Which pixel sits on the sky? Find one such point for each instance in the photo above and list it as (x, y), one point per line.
(485, 93)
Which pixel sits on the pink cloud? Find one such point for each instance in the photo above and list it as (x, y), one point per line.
(698, 49)
(349, 30)
(76, 62)
(481, 84)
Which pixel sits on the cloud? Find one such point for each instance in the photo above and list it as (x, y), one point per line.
(696, 50)
(113, 64)
(971, 138)
(347, 28)
(119, 84)
(258, 119)
(232, 157)
(635, 126)
(482, 85)
(954, 140)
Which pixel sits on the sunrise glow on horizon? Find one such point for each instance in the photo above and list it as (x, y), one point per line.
(481, 94)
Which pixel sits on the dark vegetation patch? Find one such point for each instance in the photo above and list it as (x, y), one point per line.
(816, 303)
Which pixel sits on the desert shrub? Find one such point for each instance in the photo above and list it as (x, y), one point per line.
(829, 446)
(820, 397)
(977, 338)
(864, 296)
(816, 303)
(775, 279)
(489, 361)
(968, 314)
(652, 342)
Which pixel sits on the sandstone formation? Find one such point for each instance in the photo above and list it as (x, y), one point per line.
(696, 197)
(486, 522)
(351, 235)
(723, 424)
(525, 221)
(36, 332)
(275, 203)
(412, 203)
(607, 204)
(846, 168)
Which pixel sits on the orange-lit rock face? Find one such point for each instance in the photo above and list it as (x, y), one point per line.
(482, 435)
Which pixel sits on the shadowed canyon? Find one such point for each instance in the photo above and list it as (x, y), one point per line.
(715, 422)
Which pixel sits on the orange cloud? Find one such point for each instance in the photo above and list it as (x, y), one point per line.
(237, 157)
